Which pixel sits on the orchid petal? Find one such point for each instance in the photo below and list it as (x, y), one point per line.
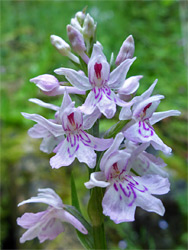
(67, 217)
(55, 129)
(130, 85)
(157, 116)
(97, 179)
(149, 91)
(89, 120)
(30, 219)
(62, 157)
(44, 104)
(60, 90)
(118, 75)
(75, 78)
(47, 196)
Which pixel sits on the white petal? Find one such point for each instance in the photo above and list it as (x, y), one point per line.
(97, 179)
(157, 116)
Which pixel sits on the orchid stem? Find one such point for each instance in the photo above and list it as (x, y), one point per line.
(95, 206)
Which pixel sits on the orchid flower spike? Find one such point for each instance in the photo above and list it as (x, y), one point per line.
(100, 83)
(47, 225)
(125, 191)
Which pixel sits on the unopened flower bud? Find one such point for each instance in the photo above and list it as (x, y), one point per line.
(126, 51)
(76, 39)
(89, 27)
(80, 16)
(46, 82)
(60, 45)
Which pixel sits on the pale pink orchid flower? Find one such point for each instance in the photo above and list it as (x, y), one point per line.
(47, 225)
(76, 143)
(124, 190)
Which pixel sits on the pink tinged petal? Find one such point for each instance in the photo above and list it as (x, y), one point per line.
(97, 179)
(115, 205)
(46, 82)
(86, 154)
(47, 196)
(90, 104)
(50, 230)
(158, 116)
(30, 219)
(155, 183)
(126, 50)
(148, 92)
(147, 163)
(65, 216)
(89, 120)
(38, 131)
(118, 75)
(130, 85)
(44, 104)
(63, 156)
(107, 106)
(113, 148)
(75, 78)
(60, 90)
(125, 113)
(55, 129)
(144, 110)
(99, 144)
(49, 143)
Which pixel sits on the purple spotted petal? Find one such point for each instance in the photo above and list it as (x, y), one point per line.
(65, 154)
(123, 196)
(143, 132)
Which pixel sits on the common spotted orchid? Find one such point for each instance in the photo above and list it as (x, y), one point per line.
(78, 143)
(125, 191)
(100, 81)
(47, 224)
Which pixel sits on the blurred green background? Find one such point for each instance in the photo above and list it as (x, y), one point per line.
(158, 28)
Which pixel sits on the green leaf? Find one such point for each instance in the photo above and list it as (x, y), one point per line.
(115, 129)
(85, 239)
(74, 196)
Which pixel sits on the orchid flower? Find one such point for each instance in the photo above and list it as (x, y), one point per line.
(143, 115)
(47, 225)
(100, 83)
(78, 143)
(126, 191)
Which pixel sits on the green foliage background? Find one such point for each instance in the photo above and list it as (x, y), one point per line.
(157, 27)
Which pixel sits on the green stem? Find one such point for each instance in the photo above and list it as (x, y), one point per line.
(95, 210)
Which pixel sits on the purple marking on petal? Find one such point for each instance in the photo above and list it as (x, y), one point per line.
(124, 192)
(149, 129)
(98, 68)
(120, 197)
(115, 186)
(144, 126)
(87, 140)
